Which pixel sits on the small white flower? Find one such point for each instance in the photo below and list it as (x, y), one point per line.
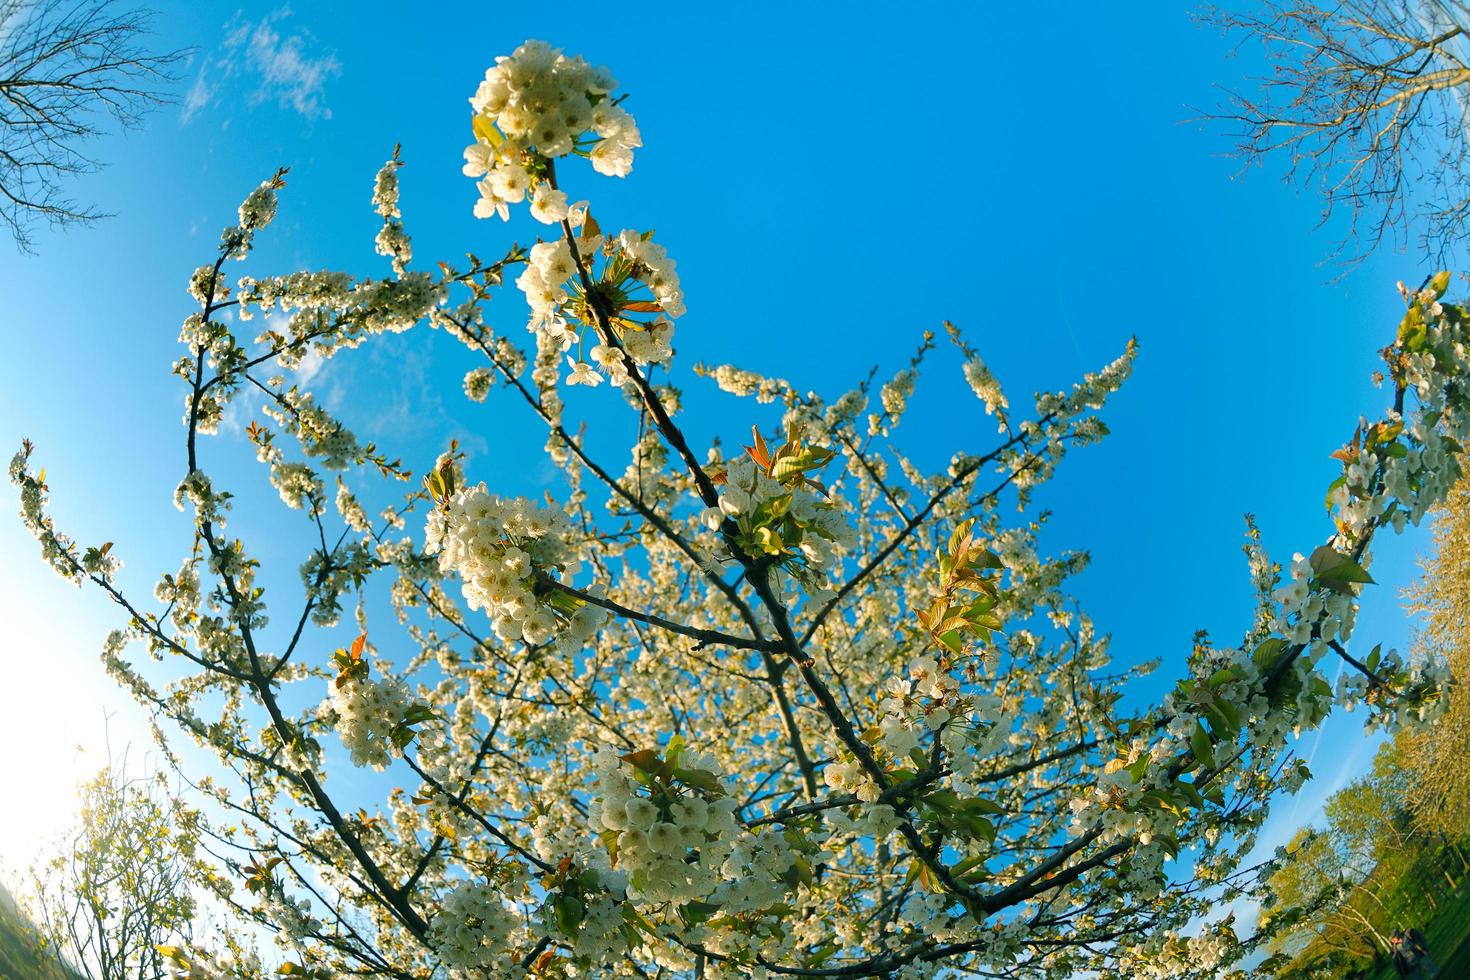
(583, 374)
(548, 206)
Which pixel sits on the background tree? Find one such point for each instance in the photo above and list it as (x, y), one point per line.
(67, 67)
(801, 709)
(1312, 912)
(1439, 792)
(1337, 893)
(1366, 101)
(120, 883)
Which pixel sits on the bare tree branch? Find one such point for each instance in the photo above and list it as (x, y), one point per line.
(1367, 102)
(67, 71)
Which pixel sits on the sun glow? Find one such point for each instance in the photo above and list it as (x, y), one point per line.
(59, 712)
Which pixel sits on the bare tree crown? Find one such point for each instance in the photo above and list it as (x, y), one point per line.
(66, 71)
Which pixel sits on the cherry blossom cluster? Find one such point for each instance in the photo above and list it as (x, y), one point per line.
(738, 381)
(846, 775)
(894, 397)
(1061, 417)
(676, 842)
(508, 552)
(986, 388)
(537, 105)
(619, 269)
(969, 725)
(366, 713)
(472, 933)
(477, 384)
(57, 550)
(196, 963)
(392, 240)
(749, 496)
(1172, 955)
(291, 916)
(653, 834)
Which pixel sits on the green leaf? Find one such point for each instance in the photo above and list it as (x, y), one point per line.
(567, 912)
(1439, 283)
(1191, 794)
(1231, 713)
(674, 749)
(1199, 742)
(1221, 725)
(1337, 571)
(975, 804)
(943, 799)
(486, 130)
(693, 913)
(1265, 654)
(700, 779)
(986, 560)
(418, 713)
(1332, 488)
(822, 953)
(980, 828)
(647, 760)
(968, 864)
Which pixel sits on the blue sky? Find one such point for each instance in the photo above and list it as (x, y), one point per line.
(830, 186)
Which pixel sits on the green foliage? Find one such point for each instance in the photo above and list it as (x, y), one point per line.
(1339, 892)
(120, 882)
(22, 952)
(963, 607)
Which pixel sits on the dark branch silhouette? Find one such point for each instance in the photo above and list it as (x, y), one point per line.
(1366, 100)
(68, 72)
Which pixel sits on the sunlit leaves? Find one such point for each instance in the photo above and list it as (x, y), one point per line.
(792, 461)
(963, 608)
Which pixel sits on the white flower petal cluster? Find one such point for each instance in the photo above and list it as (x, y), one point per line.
(365, 712)
(1172, 955)
(544, 281)
(194, 963)
(291, 916)
(504, 550)
(678, 846)
(536, 105)
(259, 207)
(894, 396)
(652, 267)
(847, 776)
(472, 933)
(969, 726)
(477, 384)
(986, 388)
(747, 487)
(743, 383)
(561, 313)
(392, 240)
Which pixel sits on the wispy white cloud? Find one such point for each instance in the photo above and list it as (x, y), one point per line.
(311, 365)
(268, 60)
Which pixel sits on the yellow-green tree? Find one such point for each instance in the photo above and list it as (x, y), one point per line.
(118, 885)
(1439, 792)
